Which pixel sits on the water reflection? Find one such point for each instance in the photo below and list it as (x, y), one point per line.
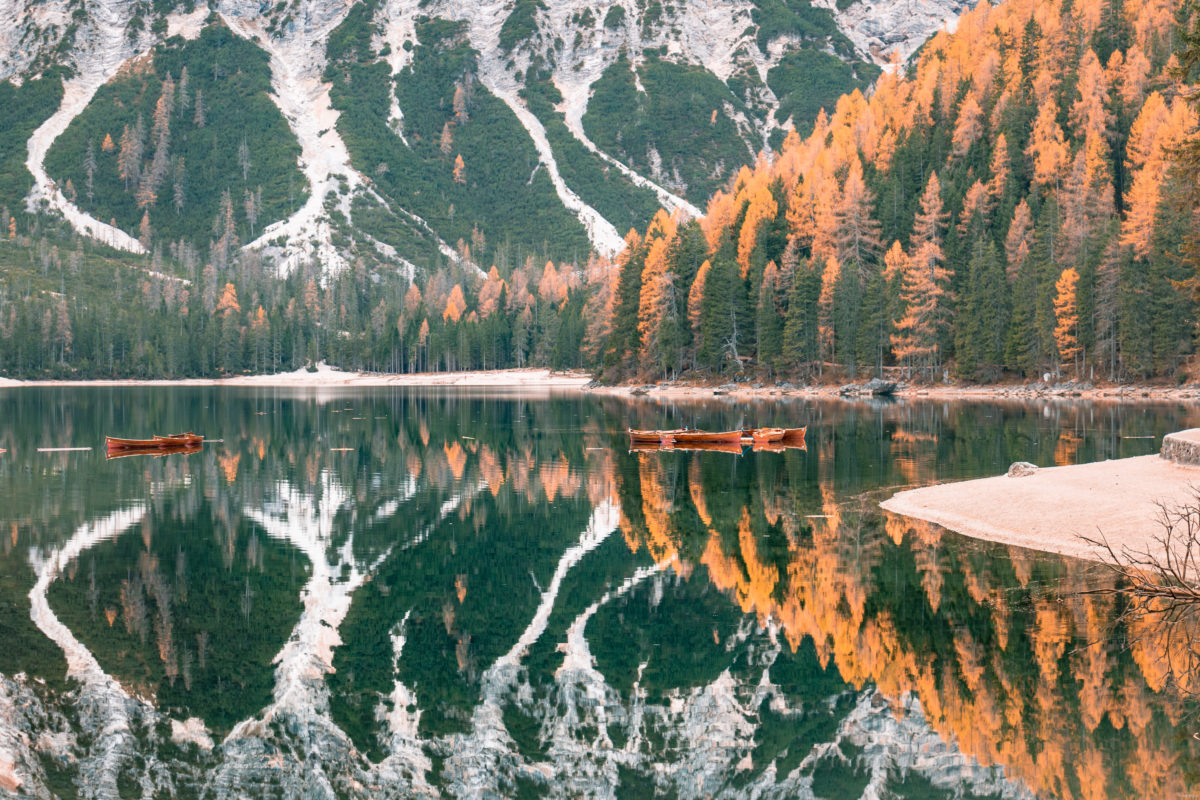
(435, 593)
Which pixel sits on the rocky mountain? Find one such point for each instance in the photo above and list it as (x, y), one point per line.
(423, 131)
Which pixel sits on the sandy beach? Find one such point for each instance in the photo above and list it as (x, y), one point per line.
(1055, 508)
(670, 391)
(326, 376)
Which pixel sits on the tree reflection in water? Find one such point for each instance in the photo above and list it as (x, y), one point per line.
(755, 625)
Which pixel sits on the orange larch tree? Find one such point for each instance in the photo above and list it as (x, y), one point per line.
(923, 297)
(489, 293)
(696, 300)
(1066, 316)
(969, 126)
(1019, 239)
(857, 231)
(930, 222)
(657, 299)
(456, 304)
(760, 210)
(1046, 146)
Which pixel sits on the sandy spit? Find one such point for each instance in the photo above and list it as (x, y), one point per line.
(327, 376)
(1054, 508)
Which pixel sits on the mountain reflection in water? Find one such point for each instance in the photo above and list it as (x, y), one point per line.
(406, 593)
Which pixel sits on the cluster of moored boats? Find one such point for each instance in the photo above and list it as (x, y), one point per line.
(158, 446)
(726, 441)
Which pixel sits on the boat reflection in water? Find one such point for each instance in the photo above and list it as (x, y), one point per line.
(440, 591)
(153, 450)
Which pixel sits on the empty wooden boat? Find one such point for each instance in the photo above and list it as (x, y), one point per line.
(767, 435)
(175, 440)
(115, 443)
(184, 438)
(706, 437)
(651, 437)
(794, 437)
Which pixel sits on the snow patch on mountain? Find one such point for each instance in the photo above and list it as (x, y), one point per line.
(102, 47)
(397, 20)
(886, 29)
(717, 35)
(76, 96)
(302, 95)
(484, 26)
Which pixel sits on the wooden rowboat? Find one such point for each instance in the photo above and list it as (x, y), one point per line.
(114, 443)
(185, 438)
(705, 437)
(175, 440)
(767, 435)
(794, 436)
(652, 437)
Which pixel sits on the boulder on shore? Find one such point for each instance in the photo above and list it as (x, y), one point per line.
(1020, 469)
(876, 387)
(1182, 447)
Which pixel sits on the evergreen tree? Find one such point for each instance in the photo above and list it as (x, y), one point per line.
(800, 328)
(768, 322)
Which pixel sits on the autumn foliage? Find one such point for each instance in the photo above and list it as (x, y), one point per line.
(1016, 177)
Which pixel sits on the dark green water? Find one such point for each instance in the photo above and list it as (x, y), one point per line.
(503, 601)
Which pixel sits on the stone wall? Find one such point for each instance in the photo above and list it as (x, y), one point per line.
(1182, 447)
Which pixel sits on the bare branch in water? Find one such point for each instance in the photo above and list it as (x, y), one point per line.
(1161, 584)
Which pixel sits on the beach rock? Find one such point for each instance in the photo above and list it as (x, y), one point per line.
(640, 390)
(876, 387)
(879, 387)
(1020, 469)
(1182, 447)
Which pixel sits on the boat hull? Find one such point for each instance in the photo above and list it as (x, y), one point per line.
(794, 436)
(174, 440)
(704, 437)
(767, 435)
(651, 437)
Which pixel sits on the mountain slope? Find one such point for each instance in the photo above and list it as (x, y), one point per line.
(594, 169)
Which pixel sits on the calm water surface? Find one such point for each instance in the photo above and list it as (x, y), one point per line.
(399, 593)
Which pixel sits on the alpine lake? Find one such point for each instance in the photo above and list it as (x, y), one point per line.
(453, 593)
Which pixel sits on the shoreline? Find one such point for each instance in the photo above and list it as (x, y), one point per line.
(1132, 393)
(328, 377)
(547, 379)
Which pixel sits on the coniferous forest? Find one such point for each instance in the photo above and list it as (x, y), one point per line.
(1022, 198)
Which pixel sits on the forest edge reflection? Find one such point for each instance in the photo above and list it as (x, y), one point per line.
(914, 612)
